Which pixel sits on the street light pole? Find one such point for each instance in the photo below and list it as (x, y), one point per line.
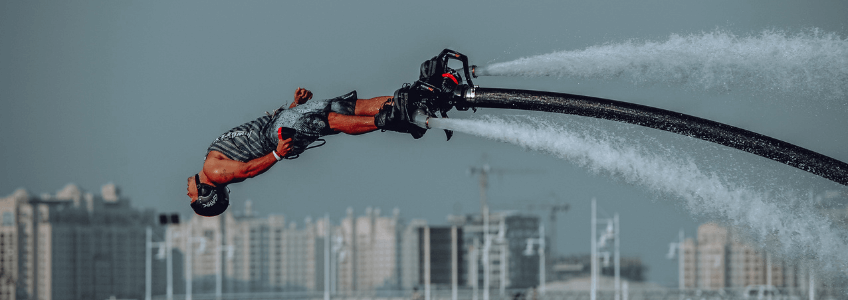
(617, 261)
(487, 243)
(219, 241)
(189, 251)
(475, 248)
(427, 262)
(680, 264)
(169, 290)
(327, 257)
(594, 255)
(542, 259)
(454, 263)
(148, 263)
(501, 236)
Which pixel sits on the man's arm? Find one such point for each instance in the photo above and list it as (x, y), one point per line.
(301, 95)
(220, 169)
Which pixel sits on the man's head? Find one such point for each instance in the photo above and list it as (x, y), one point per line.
(207, 200)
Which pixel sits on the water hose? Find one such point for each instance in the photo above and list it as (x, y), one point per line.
(661, 119)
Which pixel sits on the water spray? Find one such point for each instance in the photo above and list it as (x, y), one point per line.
(440, 89)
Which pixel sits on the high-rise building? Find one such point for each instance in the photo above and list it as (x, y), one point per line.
(265, 254)
(508, 266)
(372, 256)
(720, 260)
(410, 255)
(254, 254)
(441, 243)
(72, 245)
(416, 237)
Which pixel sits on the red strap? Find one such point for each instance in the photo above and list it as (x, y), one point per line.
(448, 75)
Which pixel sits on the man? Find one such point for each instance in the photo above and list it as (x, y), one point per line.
(252, 148)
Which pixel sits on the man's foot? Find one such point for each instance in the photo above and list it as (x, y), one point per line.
(395, 115)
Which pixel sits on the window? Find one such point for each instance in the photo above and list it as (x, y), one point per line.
(8, 218)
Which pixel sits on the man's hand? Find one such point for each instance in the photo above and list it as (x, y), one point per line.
(283, 147)
(301, 95)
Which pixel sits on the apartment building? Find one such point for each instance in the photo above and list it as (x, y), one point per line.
(72, 245)
(719, 260)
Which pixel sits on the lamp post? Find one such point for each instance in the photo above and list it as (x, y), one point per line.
(454, 263)
(611, 232)
(327, 257)
(164, 250)
(220, 247)
(503, 249)
(594, 255)
(487, 244)
(427, 262)
(680, 270)
(148, 263)
(475, 247)
(338, 257)
(190, 262)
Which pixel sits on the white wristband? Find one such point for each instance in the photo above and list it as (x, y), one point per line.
(276, 156)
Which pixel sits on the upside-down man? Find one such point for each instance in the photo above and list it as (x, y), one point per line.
(252, 148)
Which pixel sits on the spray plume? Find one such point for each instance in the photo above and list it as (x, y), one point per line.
(785, 219)
(810, 63)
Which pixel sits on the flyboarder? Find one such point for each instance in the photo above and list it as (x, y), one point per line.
(252, 148)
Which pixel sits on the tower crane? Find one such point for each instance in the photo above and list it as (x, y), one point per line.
(553, 208)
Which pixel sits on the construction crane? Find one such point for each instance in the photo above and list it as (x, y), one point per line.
(484, 172)
(553, 208)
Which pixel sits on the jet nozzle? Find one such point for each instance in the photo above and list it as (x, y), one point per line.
(421, 119)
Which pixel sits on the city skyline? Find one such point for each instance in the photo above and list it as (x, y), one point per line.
(368, 252)
(133, 92)
(244, 211)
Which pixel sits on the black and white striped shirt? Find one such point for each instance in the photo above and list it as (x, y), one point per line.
(249, 141)
(257, 138)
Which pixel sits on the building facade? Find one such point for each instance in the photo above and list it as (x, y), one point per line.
(369, 252)
(268, 254)
(720, 260)
(72, 245)
(252, 254)
(508, 266)
(441, 240)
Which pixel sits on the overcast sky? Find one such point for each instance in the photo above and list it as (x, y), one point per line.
(133, 92)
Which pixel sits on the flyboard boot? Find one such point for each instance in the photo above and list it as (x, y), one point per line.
(396, 114)
(438, 89)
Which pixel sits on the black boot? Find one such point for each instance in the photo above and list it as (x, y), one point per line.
(395, 115)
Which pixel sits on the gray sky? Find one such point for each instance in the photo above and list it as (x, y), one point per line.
(133, 92)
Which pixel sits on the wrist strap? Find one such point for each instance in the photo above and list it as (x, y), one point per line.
(276, 155)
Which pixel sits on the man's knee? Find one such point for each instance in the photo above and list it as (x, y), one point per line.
(337, 121)
(334, 117)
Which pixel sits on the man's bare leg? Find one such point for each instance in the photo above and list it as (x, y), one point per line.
(363, 121)
(370, 107)
(351, 124)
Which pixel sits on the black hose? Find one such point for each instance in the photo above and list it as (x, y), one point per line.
(679, 123)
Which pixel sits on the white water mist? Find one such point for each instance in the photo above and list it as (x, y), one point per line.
(785, 220)
(809, 63)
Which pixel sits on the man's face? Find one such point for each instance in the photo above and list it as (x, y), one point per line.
(191, 189)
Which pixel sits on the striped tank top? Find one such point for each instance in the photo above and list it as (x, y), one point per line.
(249, 141)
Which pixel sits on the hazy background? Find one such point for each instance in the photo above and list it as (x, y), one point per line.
(133, 93)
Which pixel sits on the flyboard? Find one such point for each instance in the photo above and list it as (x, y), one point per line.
(440, 89)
